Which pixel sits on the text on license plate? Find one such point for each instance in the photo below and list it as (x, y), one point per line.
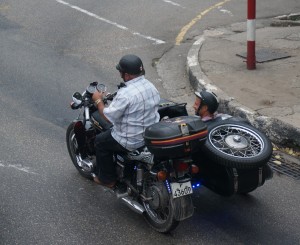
(181, 189)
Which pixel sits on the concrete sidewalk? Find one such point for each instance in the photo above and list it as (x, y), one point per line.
(269, 96)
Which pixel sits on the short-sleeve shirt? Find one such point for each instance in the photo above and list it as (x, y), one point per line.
(133, 109)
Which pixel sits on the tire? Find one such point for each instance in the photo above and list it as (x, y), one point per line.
(236, 144)
(245, 193)
(159, 213)
(74, 153)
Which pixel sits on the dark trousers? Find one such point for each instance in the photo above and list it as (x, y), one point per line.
(106, 145)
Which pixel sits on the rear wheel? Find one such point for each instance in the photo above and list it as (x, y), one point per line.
(72, 146)
(159, 212)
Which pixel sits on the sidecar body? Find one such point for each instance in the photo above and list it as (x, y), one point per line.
(233, 159)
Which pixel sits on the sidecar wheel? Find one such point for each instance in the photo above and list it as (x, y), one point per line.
(74, 152)
(159, 213)
(237, 144)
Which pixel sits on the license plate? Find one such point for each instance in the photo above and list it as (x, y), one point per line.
(181, 189)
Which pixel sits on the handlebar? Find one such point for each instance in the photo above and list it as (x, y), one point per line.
(85, 98)
(109, 97)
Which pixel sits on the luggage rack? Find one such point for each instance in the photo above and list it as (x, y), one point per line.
(286, 167)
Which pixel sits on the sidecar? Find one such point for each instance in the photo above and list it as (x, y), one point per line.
(233, 159)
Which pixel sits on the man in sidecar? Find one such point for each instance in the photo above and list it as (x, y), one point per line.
(206, 105)
(134, 108)
(240, 147)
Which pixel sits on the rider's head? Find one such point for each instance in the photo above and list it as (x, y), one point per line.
(206, 103)
(130, 66)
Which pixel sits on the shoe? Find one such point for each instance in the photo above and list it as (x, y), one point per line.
(110, 185)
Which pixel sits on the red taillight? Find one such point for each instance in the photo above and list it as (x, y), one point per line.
(162, 175)
(194, 169)
(181, 166)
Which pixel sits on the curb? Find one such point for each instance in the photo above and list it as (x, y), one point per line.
(278, 131)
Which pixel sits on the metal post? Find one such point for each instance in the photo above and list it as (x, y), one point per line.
(251, 59)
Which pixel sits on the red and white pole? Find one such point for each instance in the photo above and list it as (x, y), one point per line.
(251, 59)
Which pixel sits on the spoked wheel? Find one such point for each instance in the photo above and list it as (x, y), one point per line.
(238, 145)
(159, 212)
(74, 152)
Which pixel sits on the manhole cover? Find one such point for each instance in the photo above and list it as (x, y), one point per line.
(285, 165)
(265, 55)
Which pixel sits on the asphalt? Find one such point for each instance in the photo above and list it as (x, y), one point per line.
(268, 96)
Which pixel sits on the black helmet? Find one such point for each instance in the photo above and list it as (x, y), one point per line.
(210, 99)
(131, 64)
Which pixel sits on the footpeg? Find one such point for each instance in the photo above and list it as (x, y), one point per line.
(117, 193)
(121, 191)
(120, 194)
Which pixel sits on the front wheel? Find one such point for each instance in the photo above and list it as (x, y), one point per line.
(73, 150)
(159, 212)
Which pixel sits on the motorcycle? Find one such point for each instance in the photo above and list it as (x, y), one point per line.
(154, 180)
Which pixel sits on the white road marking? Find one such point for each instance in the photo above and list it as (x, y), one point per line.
(156, 41)
(18, 167)
(225, 11)
(173, 3)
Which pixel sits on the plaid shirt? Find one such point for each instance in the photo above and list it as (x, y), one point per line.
(133, 109)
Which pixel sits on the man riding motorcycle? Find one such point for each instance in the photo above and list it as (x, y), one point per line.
(133, 109)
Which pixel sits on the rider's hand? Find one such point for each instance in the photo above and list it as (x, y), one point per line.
(97, 95)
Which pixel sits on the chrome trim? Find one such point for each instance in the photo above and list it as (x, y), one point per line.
(135, 206)
(236, 180)
(236, 141)
(260, 176)
(87, 113)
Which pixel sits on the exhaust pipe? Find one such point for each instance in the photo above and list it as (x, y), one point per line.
(135, 206)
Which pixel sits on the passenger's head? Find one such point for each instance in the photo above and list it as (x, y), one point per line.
(206, 103)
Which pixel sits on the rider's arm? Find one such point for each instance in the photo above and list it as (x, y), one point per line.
(97, 98)
(117, 109)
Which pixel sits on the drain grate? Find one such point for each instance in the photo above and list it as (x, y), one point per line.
(265, 55)
(285, 166)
